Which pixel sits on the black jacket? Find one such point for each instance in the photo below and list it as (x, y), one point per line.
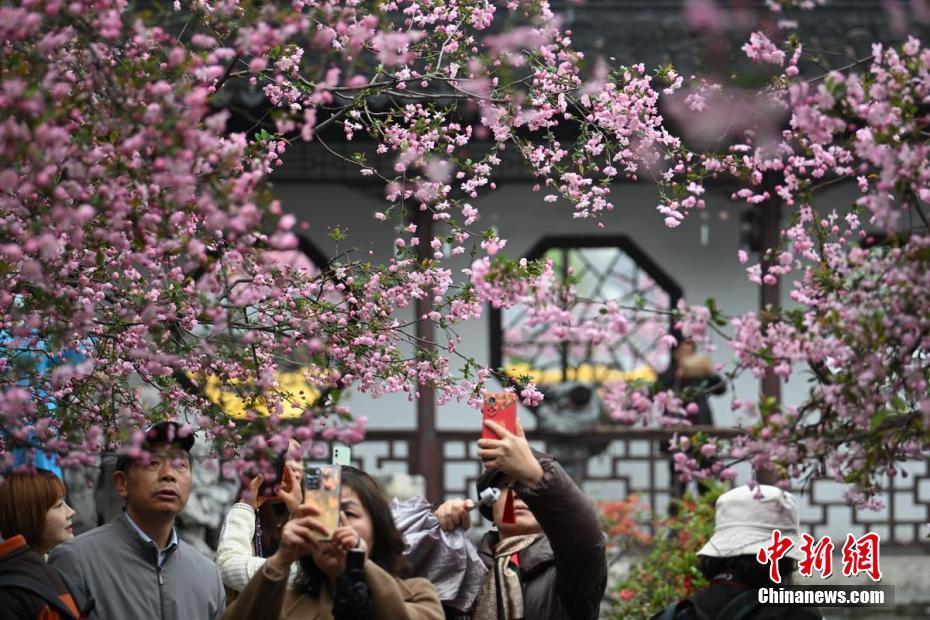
(18, 562)
(712, 600)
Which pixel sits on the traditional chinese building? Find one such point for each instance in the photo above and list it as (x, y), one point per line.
(635, 254)
(634, 257)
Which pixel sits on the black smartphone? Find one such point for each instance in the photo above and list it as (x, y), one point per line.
(355, 564)
(273, 474)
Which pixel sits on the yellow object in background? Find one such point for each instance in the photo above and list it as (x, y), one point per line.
(297, 396)
(586, 373)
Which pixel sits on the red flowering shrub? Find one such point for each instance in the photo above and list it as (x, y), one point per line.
(668, 571)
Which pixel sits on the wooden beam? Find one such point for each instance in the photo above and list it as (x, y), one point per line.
(427, 456)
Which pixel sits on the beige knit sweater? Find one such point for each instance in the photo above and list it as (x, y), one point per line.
(234, 554)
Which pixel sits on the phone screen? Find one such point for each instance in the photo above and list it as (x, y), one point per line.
(323, 491)
(501, 407)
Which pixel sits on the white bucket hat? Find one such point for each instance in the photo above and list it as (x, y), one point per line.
(744, 524)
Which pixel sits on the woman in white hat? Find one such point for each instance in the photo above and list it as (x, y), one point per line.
(745, 520)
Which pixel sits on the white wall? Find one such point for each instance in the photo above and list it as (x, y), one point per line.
(703, 270)
(521, 217)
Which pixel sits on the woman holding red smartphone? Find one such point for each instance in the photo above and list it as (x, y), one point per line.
(548, 559)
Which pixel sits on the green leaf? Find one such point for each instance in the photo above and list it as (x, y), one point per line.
(878, 418)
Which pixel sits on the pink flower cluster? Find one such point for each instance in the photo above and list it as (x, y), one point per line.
(145, 264)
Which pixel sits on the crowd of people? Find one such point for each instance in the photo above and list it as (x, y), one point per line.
(544, 557)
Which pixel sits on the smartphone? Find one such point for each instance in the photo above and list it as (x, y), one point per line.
(270, 484)
(323, 491)
(342, 455)
(272, 472)
(500, 407)
(355, 565)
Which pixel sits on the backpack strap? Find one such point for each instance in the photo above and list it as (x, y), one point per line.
(45, 592)
(741, 606)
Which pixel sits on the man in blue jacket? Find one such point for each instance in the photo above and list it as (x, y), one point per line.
(135, 566)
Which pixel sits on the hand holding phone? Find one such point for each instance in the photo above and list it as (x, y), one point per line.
(264, 478)
(500, 407)
(510, 454)
(270, 484)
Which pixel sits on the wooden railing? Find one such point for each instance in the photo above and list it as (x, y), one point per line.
(629, 461)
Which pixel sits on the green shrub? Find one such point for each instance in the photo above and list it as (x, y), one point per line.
(668, 572)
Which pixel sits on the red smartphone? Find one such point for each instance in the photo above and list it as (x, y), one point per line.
(500, 407)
